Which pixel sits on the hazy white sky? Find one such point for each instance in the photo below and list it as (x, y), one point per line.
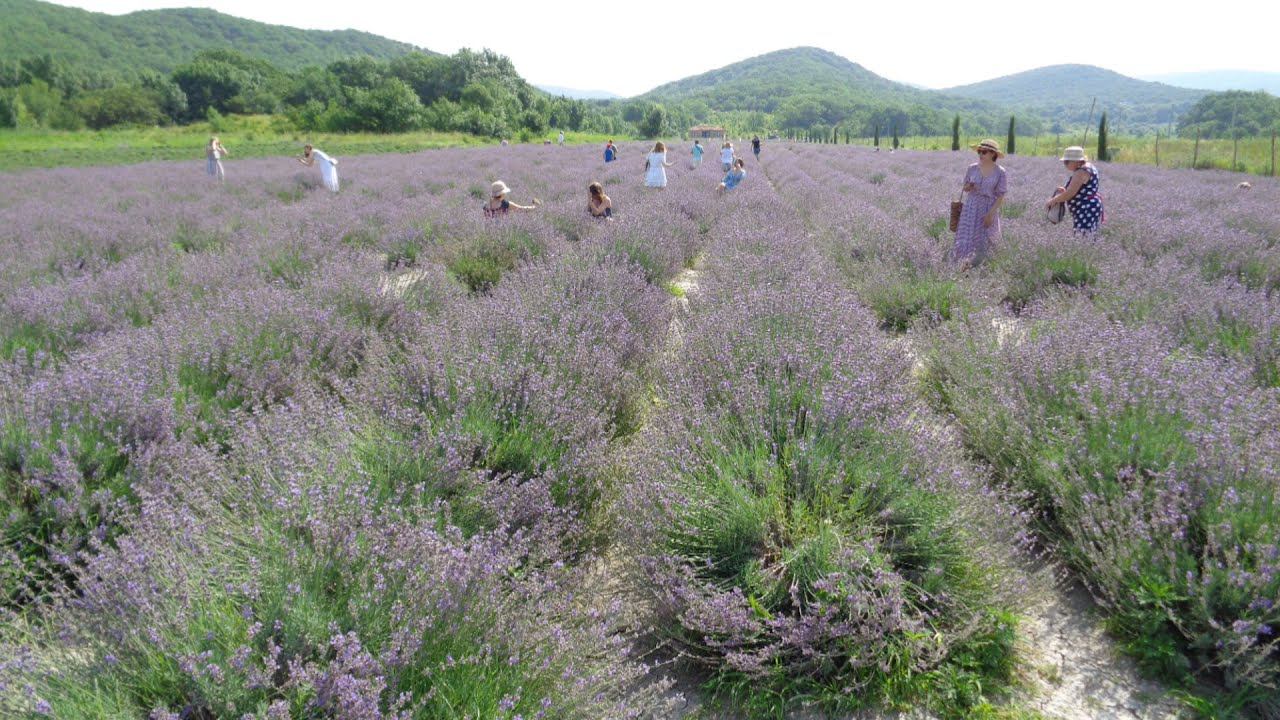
(629, 47)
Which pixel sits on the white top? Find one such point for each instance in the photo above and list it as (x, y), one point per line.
(726, 155)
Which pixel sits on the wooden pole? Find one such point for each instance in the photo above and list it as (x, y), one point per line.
(1273, 153)
(1085, 141)
(1157, 148)
(1195, 154)
(1235, 141)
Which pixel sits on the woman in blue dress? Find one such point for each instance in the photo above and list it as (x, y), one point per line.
(986, 184)
(1081, 192)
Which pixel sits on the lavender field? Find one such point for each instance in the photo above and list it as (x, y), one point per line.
(272, 452)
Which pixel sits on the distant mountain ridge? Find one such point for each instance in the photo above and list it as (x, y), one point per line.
(577, 94)
(1064, 94)
(1221, 80)
(164, 39)
(810, 87)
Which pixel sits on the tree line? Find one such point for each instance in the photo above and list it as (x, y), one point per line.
(470, 91)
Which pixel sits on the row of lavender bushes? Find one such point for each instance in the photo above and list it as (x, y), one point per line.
(1127, 382)
(807, 536)
(269, 452)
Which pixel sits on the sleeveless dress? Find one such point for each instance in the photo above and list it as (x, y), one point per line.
(1086, 206)
(657, 175)
(328, 170)
(213, 161)
(973, 239)
(697, 155)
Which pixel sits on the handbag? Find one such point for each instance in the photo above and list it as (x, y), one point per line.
(957, 207)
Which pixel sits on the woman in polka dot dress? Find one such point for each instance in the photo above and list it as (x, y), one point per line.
(1081, 192)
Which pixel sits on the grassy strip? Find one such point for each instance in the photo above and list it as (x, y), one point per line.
(245, 137)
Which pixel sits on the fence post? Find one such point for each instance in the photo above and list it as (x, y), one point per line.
(1195, 154)
(1157, 148)
(1273, 153)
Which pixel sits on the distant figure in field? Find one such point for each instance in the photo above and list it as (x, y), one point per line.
(328, 165)
(499, 205)
(1244, 185)
(726, 156)
(986, 184)
(610, 152)
(213, 153)
(656, 165)
(561, 139)
(1081, 192)
(504, 142)
(755, 147)
(735, 176)
(697, 153)
(598, 204)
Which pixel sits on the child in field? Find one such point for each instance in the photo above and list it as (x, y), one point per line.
(735, 176)
(328, 165)
(610, 152)
(598, 204)
(755, 147)
(726, 157)
(214, 152)
(656, 166)
(499, 205)
(697, 154)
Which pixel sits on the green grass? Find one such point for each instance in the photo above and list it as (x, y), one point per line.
(1253, 156)
(245, 136)
(899, 304)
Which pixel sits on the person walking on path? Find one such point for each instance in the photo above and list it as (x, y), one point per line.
(214, 152)
(986, 184)
(1081, 192)
(735, 176)
(697, 153)
(656, 165)
(755, 147)
(598, 204)
(328, 165)
(610, 152)
(561, 139)
(726, 156)
(498, 204)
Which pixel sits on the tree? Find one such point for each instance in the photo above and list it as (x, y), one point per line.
(654, 119)
(390, 106)
(955, 134)
(210, 83)
(1102, 138)
(895, 136)
(120, 105)
(1012, 143)
(876, 139)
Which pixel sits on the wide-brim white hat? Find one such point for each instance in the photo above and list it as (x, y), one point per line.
(1075, 153)
(498, 189)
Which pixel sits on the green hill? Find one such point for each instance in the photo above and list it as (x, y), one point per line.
(164, 39)
(1062, 94)
(808, 87)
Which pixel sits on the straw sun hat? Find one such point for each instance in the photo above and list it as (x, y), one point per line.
(498, 189)
(991, 145)
(1074, 153)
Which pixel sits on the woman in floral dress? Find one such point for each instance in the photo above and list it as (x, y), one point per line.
(985, 184)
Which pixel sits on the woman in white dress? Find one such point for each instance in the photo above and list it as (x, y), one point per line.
(656, 165)
(213, 153)
(328, 165)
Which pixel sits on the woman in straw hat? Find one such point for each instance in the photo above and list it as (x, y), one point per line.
(986, 183)
(499, 205)
(1081, 192)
